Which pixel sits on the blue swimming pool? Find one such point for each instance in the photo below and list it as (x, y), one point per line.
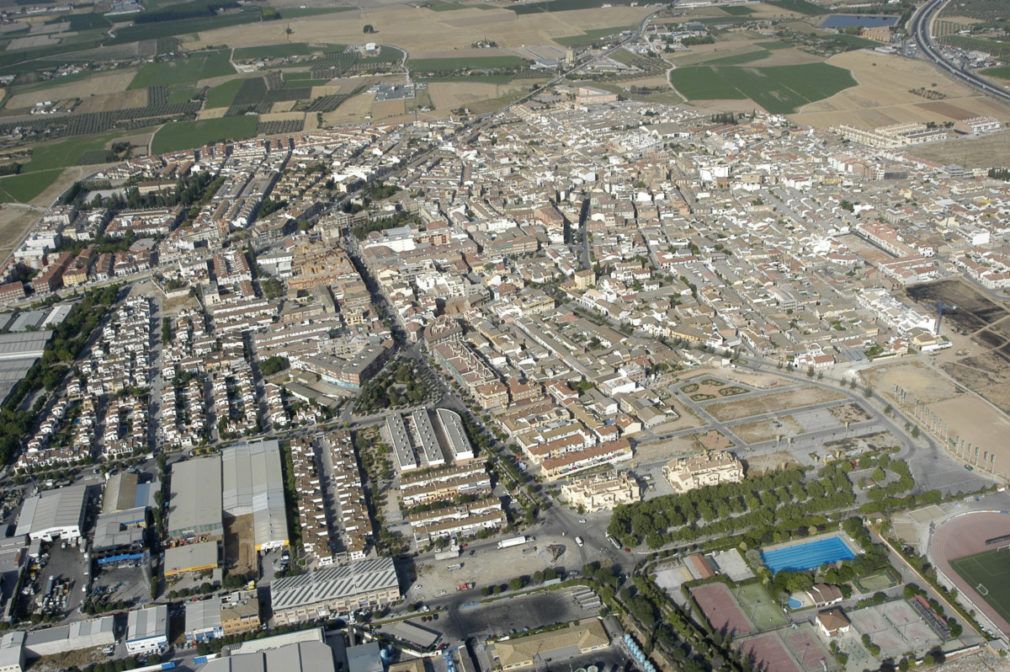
(810, 555)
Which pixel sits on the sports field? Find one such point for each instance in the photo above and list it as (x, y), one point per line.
(988, 573)
(758, 606)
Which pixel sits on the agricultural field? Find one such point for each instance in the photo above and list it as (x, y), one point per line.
(188, 70)
(447, 65)
(272, 51)
(778, 89)
(1003, 72)
(188, 134)
(883, 95)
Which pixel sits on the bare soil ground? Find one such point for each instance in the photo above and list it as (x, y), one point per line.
(282, 116)
(882, 96)
(104, 83)
(239, 544)
(764, 430)
(417, 29)
(849, 413)
(915, 378)
(108, 102)
(761, 464)
(665, 450)
(734, 409)
(712, 440)
(212, 113)
(974, 152)
(15, 221)
(32, 41)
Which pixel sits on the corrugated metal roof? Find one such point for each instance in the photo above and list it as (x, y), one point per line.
(253, 484)
(333, 583)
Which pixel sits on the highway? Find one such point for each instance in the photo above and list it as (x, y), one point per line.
(919, 27)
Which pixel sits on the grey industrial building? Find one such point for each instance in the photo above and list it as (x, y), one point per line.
(85, 634)
(405, 459)
(253, 485)
(425, 436)
(195, 502)
(453, 435)
(119, 536)
(53, 513)
(334, 590)
(301, 651)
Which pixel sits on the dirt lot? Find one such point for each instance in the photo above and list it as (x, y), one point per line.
(915, 378)
(760, 464)
(239, 546)
(417, 29)
(968, 152)
(764, 430)
(105, 83)
(712, 440)
(14, 224)
(108, 102)
(734, 409)
(882, 96)
(849, 413)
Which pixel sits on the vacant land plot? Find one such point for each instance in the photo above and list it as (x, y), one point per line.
(883, 96)
(916, 379)
(188, 134)
(849, 413)
(759, 607)
(712, 440)
(108, 102)
(110, 82)
(766, 430)
(25, 187)
(240, 544)
(769, 403)
(184, 69)
(14, 224)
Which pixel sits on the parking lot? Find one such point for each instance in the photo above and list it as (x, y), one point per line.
(66, 565)
(510, 615)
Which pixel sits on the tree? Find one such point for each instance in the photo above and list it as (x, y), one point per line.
(516, 583)
(368, 29)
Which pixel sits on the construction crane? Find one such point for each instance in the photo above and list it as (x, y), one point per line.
(939, 314)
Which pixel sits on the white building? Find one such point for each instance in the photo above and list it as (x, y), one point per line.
(147, 630)
(53, 513)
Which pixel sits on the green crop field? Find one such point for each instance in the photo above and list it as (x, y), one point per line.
(989, 574)
(221, 96)
(273, 51)
(778, 89)
(993, 47)
(27, 186)
(737, 59)
(185, 70)
(703, 83)
(737, 10)
(799, 6)
(1003, 72)
(459, 64)
(159, 29)
(759, 607)
(561, 5)
(298, 12)
(189, 134)
(590, 36)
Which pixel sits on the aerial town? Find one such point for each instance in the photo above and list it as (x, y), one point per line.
(589, 382)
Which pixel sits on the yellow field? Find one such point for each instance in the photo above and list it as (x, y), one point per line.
(882, 96)
(112, 82)
(417, 29)
(107, 102)
(212, 113)
(282, 116)
(328, 90)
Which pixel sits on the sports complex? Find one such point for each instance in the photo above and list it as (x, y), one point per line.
(972, 554)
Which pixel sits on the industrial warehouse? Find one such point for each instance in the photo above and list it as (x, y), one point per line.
(334, 590)
(242, 487)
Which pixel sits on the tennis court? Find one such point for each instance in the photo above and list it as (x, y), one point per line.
(988, 573)
(809, 555)
(758, 606)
